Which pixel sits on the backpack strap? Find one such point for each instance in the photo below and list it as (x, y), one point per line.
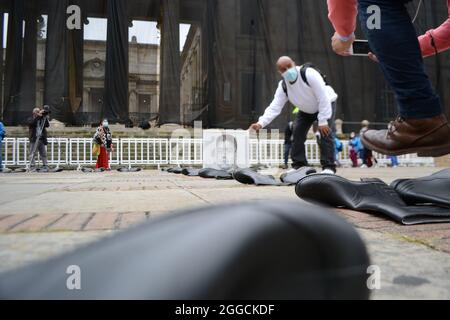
(283, 84)
(303, 75)
(303, 72)
(310, 65)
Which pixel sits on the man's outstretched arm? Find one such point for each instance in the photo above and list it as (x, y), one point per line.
(273, 111)
(440, 36)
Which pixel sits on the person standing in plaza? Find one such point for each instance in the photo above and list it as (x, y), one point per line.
(2, 136)
(305, 87)
(103, 138)
(353, 149)
(37, 125)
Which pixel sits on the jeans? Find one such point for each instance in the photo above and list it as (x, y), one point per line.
(398, 51)
(1, 154)
(394, 161)
(366, 156)
(303, 124)
(287, 151)
(41, 149)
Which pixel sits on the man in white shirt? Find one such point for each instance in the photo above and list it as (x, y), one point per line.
(305, 88)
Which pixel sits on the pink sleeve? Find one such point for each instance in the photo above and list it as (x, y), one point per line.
(440, 35)
(342, 14)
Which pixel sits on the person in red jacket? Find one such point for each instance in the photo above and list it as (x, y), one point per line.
(103, 137)
(421, 127)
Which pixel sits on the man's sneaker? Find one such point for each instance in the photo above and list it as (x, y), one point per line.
(426, 137)
(328, 171)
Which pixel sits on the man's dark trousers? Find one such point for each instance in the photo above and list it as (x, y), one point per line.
(398, 50)
(303, 124)
(287, 152)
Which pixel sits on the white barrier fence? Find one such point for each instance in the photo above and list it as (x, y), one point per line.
(77, 152)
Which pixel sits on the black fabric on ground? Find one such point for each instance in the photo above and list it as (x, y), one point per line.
(129, 169)
(191, 172)
(295, 176)
(372, 196)
(176, 170)
(208, 173)
(434, 189)
(299, 252)
(89, 170)
(248, 176)
(116, 65)
(54, 170)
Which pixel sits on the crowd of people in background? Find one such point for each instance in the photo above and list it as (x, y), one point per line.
(2, 136)
(38, 137)
(359, 155)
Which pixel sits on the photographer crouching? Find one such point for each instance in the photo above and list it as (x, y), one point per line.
(38, 125)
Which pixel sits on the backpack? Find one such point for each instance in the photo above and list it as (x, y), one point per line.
(303, 75)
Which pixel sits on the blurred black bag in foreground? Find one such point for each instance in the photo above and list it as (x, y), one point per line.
(264, 250)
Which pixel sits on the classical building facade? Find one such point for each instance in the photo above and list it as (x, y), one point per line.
(143, 81)
(192, 78)
(225, 76)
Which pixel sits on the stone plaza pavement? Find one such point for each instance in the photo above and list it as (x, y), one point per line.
(46, 214)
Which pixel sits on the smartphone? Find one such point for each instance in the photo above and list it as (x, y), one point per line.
(360, 48)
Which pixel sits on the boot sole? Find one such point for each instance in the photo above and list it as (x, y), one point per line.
(437, 151)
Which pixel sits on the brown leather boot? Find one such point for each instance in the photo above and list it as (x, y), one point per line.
(426, 137)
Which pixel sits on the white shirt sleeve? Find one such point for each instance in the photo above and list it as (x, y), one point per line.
(319, 88)
(275, 108)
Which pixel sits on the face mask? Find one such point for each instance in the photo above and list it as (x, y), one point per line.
(105, 124)
(291, 75)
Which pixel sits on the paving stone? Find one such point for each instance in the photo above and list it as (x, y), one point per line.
(11, 221)
(102, 221)
(38, 223)
(415, 259)
(71, 222)
(130, 219)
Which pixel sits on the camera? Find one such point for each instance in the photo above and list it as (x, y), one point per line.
(46, 110)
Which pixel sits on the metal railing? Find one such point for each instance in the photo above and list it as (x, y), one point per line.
(80, 152)
(144, 152)
(186, 151)
(77, 152)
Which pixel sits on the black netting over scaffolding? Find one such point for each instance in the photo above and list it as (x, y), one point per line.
(180, 61)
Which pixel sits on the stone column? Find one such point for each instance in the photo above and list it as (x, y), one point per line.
(56, 90)
(169, 106)
(117, 72)
(27, 96)
(1, 64)
(13, 63)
